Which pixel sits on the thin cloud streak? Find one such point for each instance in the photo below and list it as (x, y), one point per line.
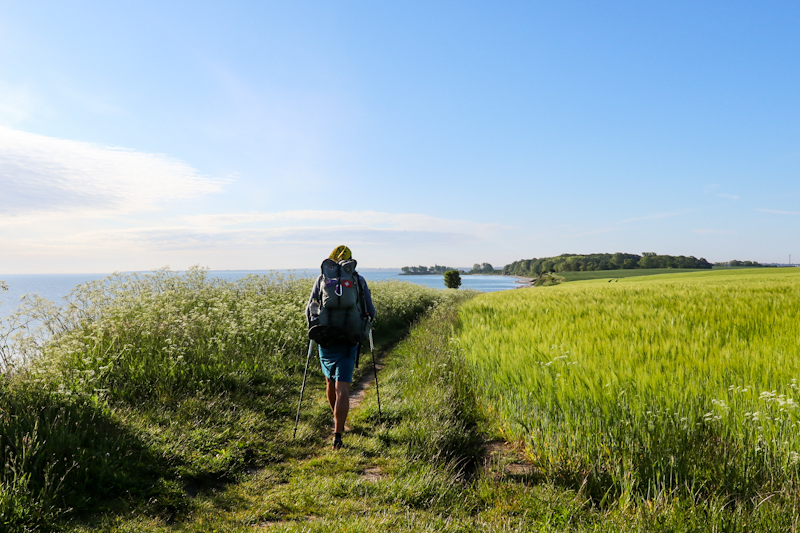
(315, 227)
(655, 216)
(777, 212)
(713, 232)
(277, 236)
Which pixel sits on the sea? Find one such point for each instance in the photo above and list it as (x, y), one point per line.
(55, 287)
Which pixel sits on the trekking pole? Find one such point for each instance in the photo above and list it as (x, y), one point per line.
(303, 388)
(375, 371)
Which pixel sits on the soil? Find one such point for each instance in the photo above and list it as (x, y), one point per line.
(367, 379)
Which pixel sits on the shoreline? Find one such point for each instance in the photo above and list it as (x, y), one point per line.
(524, 282)
(442, 274)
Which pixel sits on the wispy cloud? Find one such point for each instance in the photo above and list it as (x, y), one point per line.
(728, 196)
(777, 212)
(713, 232)
(279, 239)
(712, 188)
(293, 227)
(654, 216)
(44, 175)
(66, 202)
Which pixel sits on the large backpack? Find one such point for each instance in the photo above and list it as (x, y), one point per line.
(341, 317)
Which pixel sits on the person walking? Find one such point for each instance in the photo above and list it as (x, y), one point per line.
(337, 325)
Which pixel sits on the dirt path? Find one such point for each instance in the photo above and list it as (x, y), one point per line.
(501, 459)
(367, 378)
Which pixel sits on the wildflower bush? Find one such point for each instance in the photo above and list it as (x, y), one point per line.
(139, 338)
(148, 383)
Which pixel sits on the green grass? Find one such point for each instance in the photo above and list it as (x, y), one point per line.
(680, 385)
(418, 471)
(624, 273)
(422, 470)
(142, 387)
(607, 388)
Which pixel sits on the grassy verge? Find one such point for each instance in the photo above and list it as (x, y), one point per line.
(420, 470)
(142, 391)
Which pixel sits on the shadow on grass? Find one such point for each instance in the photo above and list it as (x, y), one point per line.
(68, 454)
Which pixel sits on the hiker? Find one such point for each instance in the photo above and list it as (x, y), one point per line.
(339, 313)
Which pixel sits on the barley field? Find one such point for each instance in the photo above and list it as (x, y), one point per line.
(647, 388)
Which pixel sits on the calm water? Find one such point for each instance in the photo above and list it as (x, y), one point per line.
(56, 286)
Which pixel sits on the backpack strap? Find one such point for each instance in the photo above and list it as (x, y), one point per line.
(362, 298)
(362, 295)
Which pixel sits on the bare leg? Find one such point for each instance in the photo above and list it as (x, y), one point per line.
(342, 406)
(330, 390)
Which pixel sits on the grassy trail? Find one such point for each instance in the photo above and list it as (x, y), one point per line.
(208, 447)
(427, 468)
(422, 470)
(145, 392)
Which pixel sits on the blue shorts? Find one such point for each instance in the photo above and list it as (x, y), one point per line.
(338, 362)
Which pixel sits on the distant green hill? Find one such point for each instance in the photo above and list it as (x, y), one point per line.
(602, 262)
(630, 273)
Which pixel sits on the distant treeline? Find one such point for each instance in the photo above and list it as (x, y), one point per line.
(477, 268)
(580, 263)
(482, 268)
(735, 263)
(436, 269)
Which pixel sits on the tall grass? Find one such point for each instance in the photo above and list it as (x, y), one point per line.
(142, 385)
(62, 452)
(648, 387)
(429, 404)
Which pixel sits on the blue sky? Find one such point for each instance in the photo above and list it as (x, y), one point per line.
(252, 135)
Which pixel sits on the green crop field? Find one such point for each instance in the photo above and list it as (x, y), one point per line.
(625, 273)
(649, 388)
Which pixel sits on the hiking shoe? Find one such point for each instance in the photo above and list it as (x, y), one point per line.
(337, 443)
